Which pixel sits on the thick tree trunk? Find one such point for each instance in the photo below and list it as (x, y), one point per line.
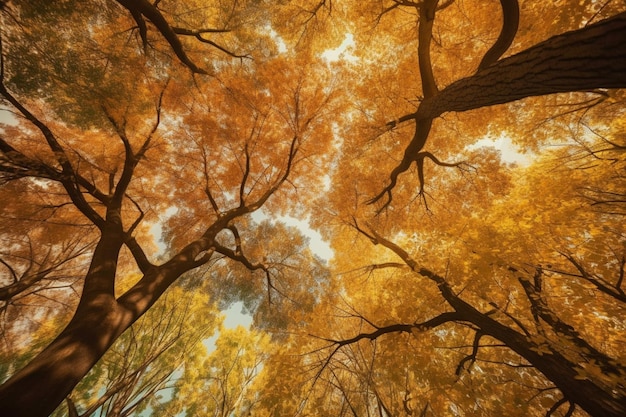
(50, 377)
(580, 60)
(37, 389)
(44, 383)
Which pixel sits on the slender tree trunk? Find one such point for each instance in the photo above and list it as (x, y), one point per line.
(585, 59)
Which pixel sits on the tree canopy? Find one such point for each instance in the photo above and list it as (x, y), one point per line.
(464, 160)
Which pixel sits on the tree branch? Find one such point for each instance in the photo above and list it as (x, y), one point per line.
(68, 178)
(541, 309)
(425, 34)
(471, 358)
(614, 291)
(198, 35)
(580, 60)
(244, 179)
(510, 24)
(558, 404)
(399, 328)
(150, 12)
(138, 253)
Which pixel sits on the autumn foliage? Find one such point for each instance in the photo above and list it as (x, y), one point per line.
(162, 162)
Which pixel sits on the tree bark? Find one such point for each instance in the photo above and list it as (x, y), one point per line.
(589, 395)
(581, 60)
(44, 383)
(100, 318)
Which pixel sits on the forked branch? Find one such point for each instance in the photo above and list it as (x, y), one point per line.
(198, 35)
(614, 290)
(400, 328)
(143, 9)
(471, 358)
(238, 256)
(404, 166)
(413, 152)
(541, 310)
(68, 177)
(337, 344)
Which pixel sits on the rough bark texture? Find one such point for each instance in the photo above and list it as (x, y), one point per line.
(47, 379)
(100, 318)
(584, 59)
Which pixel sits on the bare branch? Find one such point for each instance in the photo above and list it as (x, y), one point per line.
(11, 270)
(238, 256)
(614, 291)
(425, 35)
(251, 207)
(510, 24)
(191, 32)
(142, 8)
(207, 189)
(131, 159)
(411, 154)
(400, 328)
(513, 318)
(542, 310)
(558, 404)
(137, 221)
(68, 178)
(427, 10)
(198, 35)
(471, 358)
(244, 179)
(603, 41)
(140, 257)
(157, 121)
(71, 408)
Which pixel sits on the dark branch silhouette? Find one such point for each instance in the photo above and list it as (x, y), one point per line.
(510, 24)
(580, 60)
(563, 368)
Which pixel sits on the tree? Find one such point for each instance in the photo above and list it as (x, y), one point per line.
(223, 383)
(470, 258)
(247, 156)
(591, 380)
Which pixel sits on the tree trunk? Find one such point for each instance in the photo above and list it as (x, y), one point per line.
(37, 389)
(46, 381)
(581, 60)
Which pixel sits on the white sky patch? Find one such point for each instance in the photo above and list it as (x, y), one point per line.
(157, 230)
(280, 43)
(316, 243)
(7, 117)
(342, 52)
(510, 153)
(234, 316)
